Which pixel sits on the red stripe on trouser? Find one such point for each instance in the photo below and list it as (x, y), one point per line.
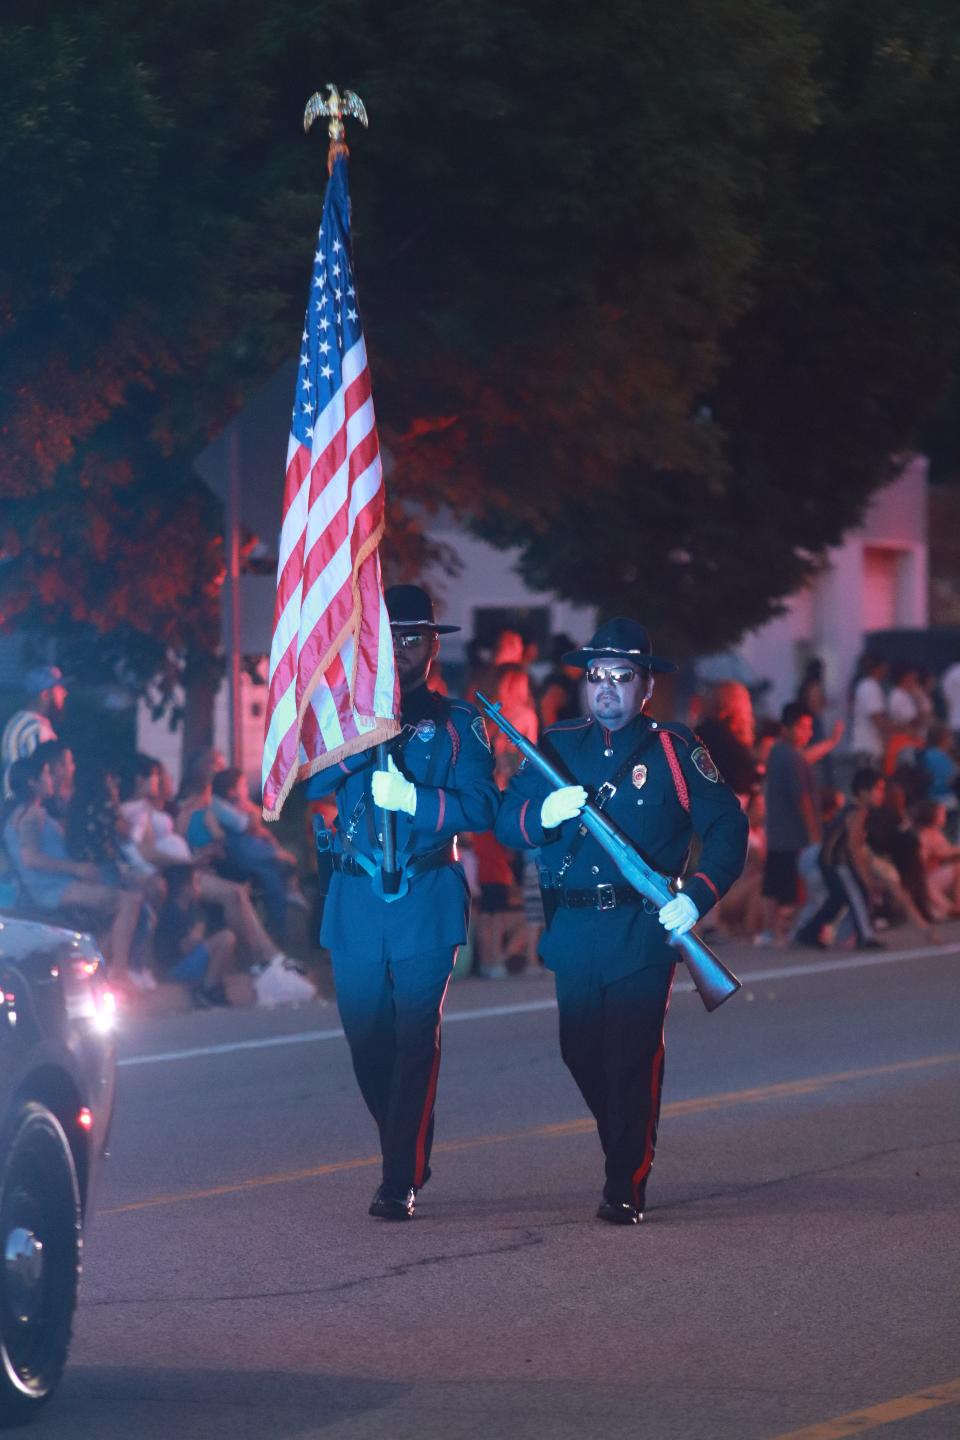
(656, 1081)
(420, 1163)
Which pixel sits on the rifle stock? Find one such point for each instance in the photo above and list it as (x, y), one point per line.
(713, 981)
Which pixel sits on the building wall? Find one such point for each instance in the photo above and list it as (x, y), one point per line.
(877, 579)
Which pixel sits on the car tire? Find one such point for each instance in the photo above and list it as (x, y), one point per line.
(40, 1254)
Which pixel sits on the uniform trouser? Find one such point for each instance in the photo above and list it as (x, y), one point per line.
(844, 890)
(611, 1040)
(391, 1013)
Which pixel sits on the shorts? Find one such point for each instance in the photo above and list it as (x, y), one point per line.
(494, 899)
(780, 876)
(192, 969)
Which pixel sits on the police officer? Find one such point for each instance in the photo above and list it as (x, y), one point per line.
(608, 947)
(393, 955)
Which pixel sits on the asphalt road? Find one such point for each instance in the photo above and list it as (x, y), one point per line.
(797, 1273)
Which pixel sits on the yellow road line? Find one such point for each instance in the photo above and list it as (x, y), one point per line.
(886, 1413)
(699, 1106)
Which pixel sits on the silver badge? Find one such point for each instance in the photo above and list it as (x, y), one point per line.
(639, 776)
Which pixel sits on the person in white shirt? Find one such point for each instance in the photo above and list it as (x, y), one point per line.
(950, 689)
(902, 707)
(870, 723)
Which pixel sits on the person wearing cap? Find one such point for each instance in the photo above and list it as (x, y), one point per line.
(393, 955)
(31, 726)
(610, 949)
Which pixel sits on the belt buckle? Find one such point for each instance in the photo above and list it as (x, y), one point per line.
(606, 897)
(605, 792)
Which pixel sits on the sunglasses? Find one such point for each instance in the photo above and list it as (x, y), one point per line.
(406, 639)
(618, 674)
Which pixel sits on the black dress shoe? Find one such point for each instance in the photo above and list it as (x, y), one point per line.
(393, 1205)
(618, 1212)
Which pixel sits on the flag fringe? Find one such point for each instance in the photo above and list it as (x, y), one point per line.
(385, 728)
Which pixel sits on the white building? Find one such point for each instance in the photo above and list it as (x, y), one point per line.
(876, 580)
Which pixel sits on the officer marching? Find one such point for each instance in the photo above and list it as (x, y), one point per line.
(609, 948)
(393, 954)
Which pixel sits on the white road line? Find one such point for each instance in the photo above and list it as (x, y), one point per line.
(858, 961)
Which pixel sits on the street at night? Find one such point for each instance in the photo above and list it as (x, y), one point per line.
(793, 1266)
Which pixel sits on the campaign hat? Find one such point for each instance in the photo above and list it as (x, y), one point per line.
(623, 640)
(411, 608)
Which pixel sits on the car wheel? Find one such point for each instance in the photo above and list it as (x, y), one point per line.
(40, 1250)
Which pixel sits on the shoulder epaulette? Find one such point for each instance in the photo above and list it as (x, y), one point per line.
(679, 731)
(564, 726)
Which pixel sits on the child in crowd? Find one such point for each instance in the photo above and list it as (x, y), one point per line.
(941, 860)
(184, 950)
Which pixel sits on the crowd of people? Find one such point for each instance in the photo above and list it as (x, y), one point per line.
(846, 839)
(853, 828)
(175, 885)
(853, 822)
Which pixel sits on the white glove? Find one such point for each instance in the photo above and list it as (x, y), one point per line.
(562, 805)
(679, 915)
(393, 791)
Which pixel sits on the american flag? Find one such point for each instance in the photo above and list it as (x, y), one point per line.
(333, 686)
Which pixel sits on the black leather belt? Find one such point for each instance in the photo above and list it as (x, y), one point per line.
(600, 897)
(430, 860)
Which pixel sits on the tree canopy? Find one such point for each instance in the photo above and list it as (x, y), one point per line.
(652, 291)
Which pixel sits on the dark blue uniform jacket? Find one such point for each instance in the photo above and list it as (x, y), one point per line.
(671, 790)
(445, 751)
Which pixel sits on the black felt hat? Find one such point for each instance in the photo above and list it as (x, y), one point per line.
(410, 608)
(623, 640)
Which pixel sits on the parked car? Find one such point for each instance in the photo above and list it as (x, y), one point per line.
(57, 1067)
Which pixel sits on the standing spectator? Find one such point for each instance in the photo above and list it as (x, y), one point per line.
(28, 728)
(902, 707)
(729, 731)
(950, 689)
(870, 723)
(560, 695)
(844, 864)
(792, 820)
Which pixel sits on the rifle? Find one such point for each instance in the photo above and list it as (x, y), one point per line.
(714, 982)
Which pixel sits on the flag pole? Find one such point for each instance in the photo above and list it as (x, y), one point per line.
(334, 108)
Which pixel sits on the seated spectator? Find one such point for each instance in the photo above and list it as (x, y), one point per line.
(95, 832)
(252, 851)
(63, 772)
(941, 860)
(151, 837)
(937, 761)
(891, 835)
(185, 951)
(53, 881)
(844, 864)
(154, 833)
